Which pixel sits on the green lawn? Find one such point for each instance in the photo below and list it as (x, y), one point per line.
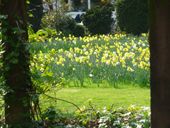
(99, 97)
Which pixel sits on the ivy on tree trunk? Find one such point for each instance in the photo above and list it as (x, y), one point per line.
(16, 64)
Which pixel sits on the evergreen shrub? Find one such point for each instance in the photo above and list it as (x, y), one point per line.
(80, 30)
(98, 20)
(66, 25)
(132, 16)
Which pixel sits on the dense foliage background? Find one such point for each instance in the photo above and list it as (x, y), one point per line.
(132, 16)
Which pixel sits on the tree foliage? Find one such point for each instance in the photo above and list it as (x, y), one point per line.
(132, 16)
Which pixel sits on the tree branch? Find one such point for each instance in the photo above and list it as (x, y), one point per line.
(63, 101)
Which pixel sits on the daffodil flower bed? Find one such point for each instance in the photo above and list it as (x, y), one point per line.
(72, 61)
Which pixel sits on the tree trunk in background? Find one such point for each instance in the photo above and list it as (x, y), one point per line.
(36, 9)
(16, 64)
(160, 63)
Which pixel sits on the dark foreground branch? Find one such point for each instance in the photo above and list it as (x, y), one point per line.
(63, 101)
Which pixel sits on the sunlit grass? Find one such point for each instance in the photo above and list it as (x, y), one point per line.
(97, 97)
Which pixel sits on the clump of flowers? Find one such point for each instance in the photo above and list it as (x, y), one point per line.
(112, 58)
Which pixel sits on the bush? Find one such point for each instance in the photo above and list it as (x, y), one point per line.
(98, 20)
(66, 25)
(60, 22)
(132, 16)
(51, 16)
(80, 30)
(49, 20)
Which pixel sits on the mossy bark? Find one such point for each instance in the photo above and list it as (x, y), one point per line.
(16, 64)
(160, 63)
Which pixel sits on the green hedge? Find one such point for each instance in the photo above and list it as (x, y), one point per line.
(132, 16)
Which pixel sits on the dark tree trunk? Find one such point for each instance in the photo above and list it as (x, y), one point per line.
(16, 64)
(36, 9)
(160, 63)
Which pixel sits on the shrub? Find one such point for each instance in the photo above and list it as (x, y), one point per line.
(63, 23)
(98, 20)
(59, 21)
(132, 16)
(66, 25)
(51, 16)
(79, 30)
(42, 35)
(49, 20)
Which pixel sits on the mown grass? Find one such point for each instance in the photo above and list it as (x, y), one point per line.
(97, 97)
